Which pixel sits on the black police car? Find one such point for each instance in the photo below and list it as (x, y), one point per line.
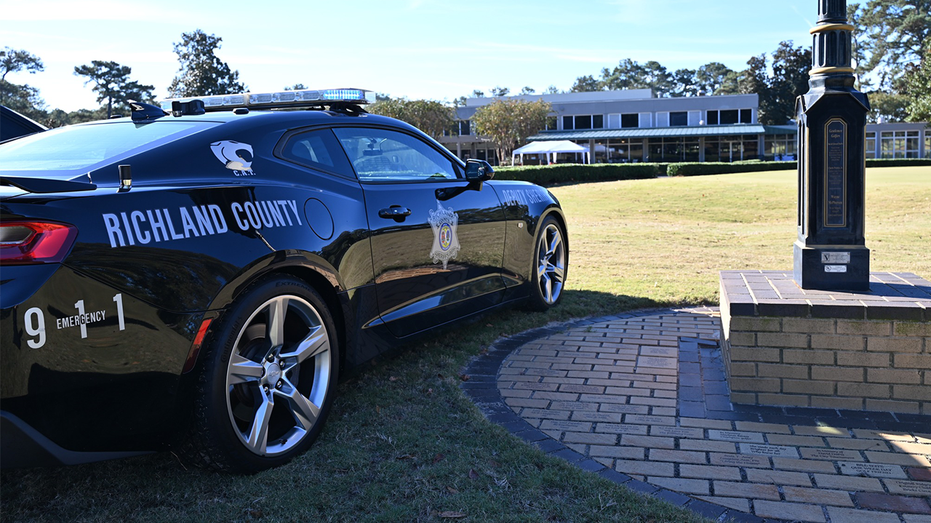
(204, 274)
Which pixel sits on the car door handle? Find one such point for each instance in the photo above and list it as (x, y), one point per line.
(395, 212)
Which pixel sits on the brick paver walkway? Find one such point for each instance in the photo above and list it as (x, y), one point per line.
(641, 399)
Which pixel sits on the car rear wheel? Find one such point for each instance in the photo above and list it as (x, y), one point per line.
(549, 268)
(268, 380)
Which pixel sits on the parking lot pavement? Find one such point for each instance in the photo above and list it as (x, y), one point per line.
(642, 399)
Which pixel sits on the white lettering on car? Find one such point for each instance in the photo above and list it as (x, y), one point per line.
(172, 224)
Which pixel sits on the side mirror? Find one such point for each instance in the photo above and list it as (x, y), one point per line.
(478, 171)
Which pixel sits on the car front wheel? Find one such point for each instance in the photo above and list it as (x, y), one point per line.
(268, 380)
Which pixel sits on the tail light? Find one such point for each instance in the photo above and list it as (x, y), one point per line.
(32, 242)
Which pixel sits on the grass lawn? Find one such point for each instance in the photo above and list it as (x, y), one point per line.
(404, 444)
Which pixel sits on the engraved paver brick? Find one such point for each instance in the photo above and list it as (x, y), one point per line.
(773, 451)
(676, 432)
(609, 417)
(737, 437)
(566, 425)
(873, 470)
(778, 477)
(849, 515)
(831, 454)
(919, 449)
(817, 495)
(908, 487)
(618, 428)
(678, 456)
(746, 490)
(788, 511)
(709, 472)
(650, 420)
(806, 465)
(688, 486)
(644, 467)
(738, 460)
(589, 438)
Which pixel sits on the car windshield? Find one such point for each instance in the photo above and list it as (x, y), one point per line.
(82, 147)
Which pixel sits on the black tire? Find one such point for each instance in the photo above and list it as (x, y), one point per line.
(550, 263)
(267, 380)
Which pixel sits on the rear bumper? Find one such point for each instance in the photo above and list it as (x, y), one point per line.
(23, 446)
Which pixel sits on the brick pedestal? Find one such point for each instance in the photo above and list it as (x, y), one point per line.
(871, 350)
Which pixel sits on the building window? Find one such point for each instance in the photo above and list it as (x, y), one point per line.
(729, 116)
(927, 145)
(673, 149)
(899, 144)
(551, 123)
(871, 144)
(631, 120)
(465, 127)
(780, 147)
(583, 122)
(678, 119)
(624, 151)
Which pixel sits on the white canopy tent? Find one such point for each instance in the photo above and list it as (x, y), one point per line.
(554, 148)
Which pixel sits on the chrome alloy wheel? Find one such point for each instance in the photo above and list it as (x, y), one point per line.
(551, 263)
(278, 375)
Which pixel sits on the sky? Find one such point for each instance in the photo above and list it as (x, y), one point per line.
(430, 49)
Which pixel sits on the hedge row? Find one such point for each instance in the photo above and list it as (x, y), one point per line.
(695, 168)
(570, 172)
(603, 172)
(897, 162)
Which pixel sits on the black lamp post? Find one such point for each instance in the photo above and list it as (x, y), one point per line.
(830, 252)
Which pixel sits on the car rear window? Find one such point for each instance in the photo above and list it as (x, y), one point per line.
(82, 147)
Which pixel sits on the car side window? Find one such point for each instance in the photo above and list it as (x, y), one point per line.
(383, 155)
(317, 150)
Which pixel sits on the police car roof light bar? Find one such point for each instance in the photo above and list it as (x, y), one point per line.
(278, 99)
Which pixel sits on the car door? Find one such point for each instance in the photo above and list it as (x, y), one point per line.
(437, 241)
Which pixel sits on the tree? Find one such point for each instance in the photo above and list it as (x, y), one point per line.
(628, 74)
(202, 73)
(891, 34)
(778, 90)
(111, 82)
(888, 107)
(429, 116)
(551, 90)
(499, 91)
(684, 83)
(24, 99)
(478, 94)
(711, 77)
(585, 84)
(509, 122)
(916, 84)
(13, 61)
(528, 90)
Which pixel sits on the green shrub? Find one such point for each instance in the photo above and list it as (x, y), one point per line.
(570, 172)
(697, 169)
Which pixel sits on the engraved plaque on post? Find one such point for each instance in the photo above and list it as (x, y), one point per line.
(835, 173)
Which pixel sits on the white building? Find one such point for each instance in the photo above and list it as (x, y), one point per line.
(635, 126)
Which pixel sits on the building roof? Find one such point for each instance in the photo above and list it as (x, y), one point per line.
(654, 132)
